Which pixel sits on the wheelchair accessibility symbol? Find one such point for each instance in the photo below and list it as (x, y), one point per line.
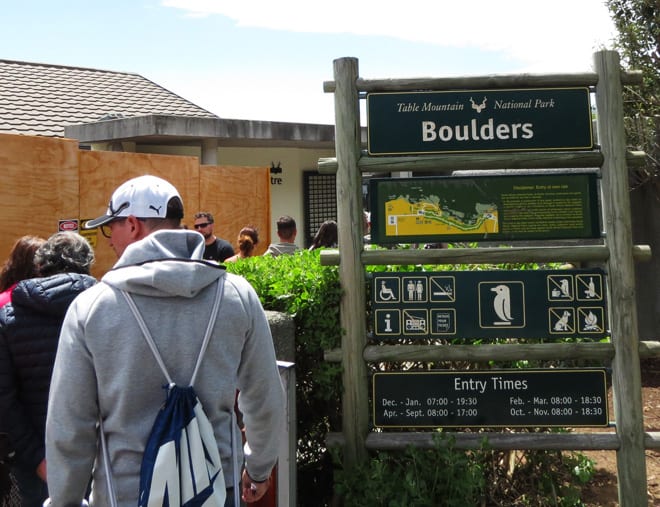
(386, 289)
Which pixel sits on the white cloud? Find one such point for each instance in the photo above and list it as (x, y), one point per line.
(534, 36)
(558, 35)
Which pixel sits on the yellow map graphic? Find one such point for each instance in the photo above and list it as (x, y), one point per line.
(426, 218)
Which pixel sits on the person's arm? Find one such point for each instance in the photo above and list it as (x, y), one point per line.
(251, 490)
(71, 436)
(41, 470)
(261, 398)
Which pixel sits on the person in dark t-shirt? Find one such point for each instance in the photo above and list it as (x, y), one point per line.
(217, 249)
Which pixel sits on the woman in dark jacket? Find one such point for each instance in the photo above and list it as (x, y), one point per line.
(29, 331)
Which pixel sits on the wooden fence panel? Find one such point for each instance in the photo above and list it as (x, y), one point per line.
(237, 197)
(38, 186)
(44, 181)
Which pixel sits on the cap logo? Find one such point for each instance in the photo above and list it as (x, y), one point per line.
(115, 212)
(156, 209)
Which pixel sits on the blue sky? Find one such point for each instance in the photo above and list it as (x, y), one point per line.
(267, 60)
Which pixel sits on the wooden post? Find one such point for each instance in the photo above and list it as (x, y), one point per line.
(626, 377)
(355, 416)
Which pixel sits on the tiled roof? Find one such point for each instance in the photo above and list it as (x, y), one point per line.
(41, 99)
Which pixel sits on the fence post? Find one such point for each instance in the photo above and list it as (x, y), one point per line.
(626, 376)
(355, 414)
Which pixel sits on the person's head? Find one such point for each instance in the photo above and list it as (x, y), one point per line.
(286, 229)
(326, 236)
(64, 252)
(204, 224)
(20, 263)
(248, 237)
(138, 207)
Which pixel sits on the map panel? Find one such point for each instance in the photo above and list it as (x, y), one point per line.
(436, 209)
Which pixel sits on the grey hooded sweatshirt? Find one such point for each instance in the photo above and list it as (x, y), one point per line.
(105, 366)
(277, 249)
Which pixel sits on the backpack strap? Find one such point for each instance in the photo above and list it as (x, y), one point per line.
(109, 479)
(152, 344)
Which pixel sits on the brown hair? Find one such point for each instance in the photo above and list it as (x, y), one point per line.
(204, 214)
(248, 237)
(20, 263)
(326, 236)
(286, 227)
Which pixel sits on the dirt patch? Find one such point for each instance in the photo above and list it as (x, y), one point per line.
(602, 490)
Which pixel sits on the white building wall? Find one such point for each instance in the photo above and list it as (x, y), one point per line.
(286, 187)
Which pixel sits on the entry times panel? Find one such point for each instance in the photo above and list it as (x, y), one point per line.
(497, 398)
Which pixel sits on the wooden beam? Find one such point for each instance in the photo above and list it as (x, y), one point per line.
(495, 255)
(355, 415)
(626, 375)
(447, 163)
(490, 82)
(500, 352)
(496, 440)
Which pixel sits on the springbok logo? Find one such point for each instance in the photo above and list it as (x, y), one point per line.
(478, 107)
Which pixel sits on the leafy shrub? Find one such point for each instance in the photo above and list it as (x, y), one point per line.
(535, 478)
(445, 477)
(299, 286)
(415, 477)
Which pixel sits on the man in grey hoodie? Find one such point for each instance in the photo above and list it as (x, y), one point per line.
(105, 368)
(286, 232)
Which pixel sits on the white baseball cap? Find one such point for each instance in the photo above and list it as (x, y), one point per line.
(143, 197)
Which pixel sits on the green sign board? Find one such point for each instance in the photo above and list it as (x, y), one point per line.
(494, 398)
(457, 208)
(547, 304)
(479, 120)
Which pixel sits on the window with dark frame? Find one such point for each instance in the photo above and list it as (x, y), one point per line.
(320, 201)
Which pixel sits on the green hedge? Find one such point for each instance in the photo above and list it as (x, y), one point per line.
(299, 286)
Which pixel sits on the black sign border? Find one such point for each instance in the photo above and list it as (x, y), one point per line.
(604, 372)
(587, 147)
(379, 237)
